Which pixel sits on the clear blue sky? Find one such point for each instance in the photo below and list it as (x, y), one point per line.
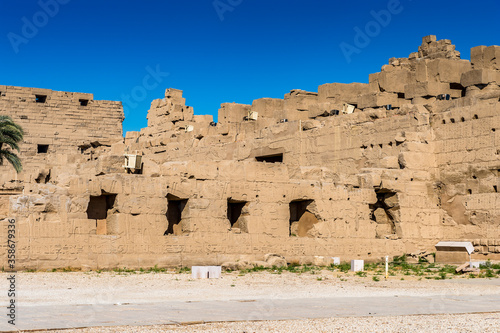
(260, 48)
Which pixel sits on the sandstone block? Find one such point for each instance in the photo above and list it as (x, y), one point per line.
(268, 107)
(423, 89)
(345, 93)
(275, 260)
(428, 39)
(480, 77)
(447, 70)
(483, 57)
(232, 112)
(476, 56)
(395, 80)
(378, 100)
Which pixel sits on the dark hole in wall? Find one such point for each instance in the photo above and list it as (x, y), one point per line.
(40, 98)
(401, 164)
(175, 208)
(301, 219)
(385, 212)
(458, 86)
(99, 205)
(43, 178)
(401, 95)
(84, 102)
(495, 188)
(98, 210)
(276, 158)
(42, 149)
(234, 210)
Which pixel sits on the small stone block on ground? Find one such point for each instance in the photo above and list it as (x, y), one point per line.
(206, 272)
(477, 264)
(357, 265)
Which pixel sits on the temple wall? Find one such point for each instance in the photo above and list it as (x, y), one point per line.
(416, 162)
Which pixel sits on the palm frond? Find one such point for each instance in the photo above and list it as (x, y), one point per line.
(12, 159)
(10, 135)
(9, 142)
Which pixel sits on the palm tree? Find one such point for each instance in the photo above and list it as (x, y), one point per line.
(10, 135)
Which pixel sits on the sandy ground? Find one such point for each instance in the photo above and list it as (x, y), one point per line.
(488, 322)
(114, 288)
(111, 288)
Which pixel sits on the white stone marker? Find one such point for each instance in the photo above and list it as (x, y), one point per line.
(336, 260)
(476, 264)
(206, 272)
(386, 267)
(357, 265)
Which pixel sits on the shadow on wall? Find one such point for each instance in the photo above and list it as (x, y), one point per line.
(98, 209)
(175, 208)
(385, 212)
(235, 213)
(301, 218)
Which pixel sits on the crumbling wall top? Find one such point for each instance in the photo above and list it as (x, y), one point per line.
(432, 48)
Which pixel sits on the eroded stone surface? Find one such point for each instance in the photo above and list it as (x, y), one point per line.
(418, 161)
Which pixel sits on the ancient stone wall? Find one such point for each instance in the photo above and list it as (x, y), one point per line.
(56, 124)
(355, 170)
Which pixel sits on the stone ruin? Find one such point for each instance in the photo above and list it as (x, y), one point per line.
(356, 171)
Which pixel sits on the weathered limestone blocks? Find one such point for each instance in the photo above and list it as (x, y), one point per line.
(110, 164)
(480, 77)
(382, 180)
(300, 105)
(268, 108)
(171, 109)
(430, 89)
(136, 204)
(393, 80)
(378, 100)
(345, 93)
(203, 119)
(483, 57)
(57, 123)
(198, 171)
(233, 113)
(441, 70)
(432, 48)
